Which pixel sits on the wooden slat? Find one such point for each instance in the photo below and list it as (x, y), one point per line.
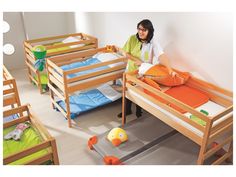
(40, 160)
(96, 73)
(55, 74)
(26, 152)
(7, 73)
(213, 97)
(56, 92)
(7, 82)
(19, 109)
(56, 82)
(70, 50)
(16, 121)
(73, 61)
(81, 54)
(52, 38)
(54, 66)
(31, 67)
(9, 101)
(222, 124)
(218, 147)
(27, 45)
(34, 80)
(94, 66)
(89, 41)
(59, 107)
(93, 83)
(168, 98)
(222, 159)
(158, 114)
(31, 59)
(223, 113)
(8, 91)
(216, 134)
(210, 86)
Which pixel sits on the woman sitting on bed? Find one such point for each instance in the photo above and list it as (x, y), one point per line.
(143, 46)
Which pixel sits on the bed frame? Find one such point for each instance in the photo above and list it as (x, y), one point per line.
(92, 43)
(48, 142)
(210, 132)
(62, 87)
(10, 91)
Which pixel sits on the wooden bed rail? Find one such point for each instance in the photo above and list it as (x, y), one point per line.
(167, 97)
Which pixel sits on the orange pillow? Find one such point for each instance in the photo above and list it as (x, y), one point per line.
(161, 76)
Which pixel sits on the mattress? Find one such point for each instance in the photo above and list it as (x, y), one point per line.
(211, 107)
(29, 139)
(86, 100)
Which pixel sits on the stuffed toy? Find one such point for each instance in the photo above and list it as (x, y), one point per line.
(117, 136)
(17, 132)
(39, 52)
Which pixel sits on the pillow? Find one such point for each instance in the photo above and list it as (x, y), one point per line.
(160, 74)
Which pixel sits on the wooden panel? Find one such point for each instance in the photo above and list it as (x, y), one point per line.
(93, 83)
(15, 110)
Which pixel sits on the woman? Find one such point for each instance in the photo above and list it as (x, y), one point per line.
(142, 45)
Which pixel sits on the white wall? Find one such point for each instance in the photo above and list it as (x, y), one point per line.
(198, 42)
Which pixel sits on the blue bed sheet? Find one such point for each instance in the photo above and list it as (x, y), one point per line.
(10, 118)
(85, 101)
(87, 62)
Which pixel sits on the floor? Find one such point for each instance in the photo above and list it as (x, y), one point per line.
(72, 142)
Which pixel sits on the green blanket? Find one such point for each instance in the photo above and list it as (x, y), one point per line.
(29, 138)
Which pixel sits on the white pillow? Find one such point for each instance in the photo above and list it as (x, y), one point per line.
(73, 39)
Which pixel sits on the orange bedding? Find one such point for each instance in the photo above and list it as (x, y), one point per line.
(185, 94)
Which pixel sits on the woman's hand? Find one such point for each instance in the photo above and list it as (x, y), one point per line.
(173, 73)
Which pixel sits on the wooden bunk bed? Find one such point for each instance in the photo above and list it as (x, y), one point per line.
(10, 92)
(217, 126)
(62, 86)
(56, 45)
(41, 150)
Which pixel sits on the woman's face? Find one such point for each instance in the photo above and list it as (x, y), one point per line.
(142, 32)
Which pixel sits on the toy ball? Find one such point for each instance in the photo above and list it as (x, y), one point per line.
(117, 136)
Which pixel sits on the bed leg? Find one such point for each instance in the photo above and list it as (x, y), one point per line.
(54, 152)
(123, 101)
(39, 82)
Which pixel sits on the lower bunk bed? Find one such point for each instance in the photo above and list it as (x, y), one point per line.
(79, 82)
(206, 130)
(35, 146)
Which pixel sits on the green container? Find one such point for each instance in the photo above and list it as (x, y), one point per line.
(39, 51)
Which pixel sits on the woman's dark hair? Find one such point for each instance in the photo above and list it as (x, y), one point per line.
(146, 24)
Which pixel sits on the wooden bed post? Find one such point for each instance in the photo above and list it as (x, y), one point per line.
(26, 60)
(67, 100)
(123, 100)
(204, 143)
(39, 82)
(54, 152)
